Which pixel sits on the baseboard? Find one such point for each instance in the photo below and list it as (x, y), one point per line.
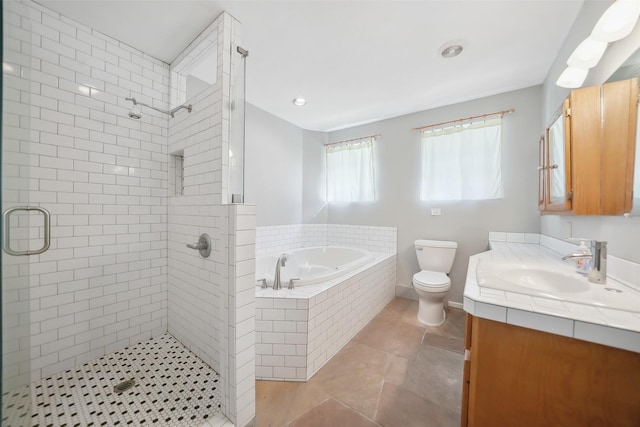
(405, 291)
(454, 304)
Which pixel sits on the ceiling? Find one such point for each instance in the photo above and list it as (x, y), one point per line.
(354, 61)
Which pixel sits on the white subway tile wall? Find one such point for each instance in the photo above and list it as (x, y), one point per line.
(279, 238)
(103, 176)
(210, 311)
(295, 337)
(242, 333)
(118, 271)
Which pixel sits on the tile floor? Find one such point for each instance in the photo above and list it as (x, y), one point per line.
(172, 387)
(395, 373)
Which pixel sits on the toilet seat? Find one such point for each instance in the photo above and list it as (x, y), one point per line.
(431, 281)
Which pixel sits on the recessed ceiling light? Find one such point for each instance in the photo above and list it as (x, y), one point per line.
(450, 51)
(299, 101)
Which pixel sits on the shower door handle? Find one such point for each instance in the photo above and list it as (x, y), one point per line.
(6, 218)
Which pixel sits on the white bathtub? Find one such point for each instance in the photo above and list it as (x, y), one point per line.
(312, 265)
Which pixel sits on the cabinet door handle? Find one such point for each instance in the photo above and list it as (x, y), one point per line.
(6, 244)
(554, 167)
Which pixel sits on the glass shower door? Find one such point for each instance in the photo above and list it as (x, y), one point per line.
(15, 172)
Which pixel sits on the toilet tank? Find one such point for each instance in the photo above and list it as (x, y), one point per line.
(435, 255)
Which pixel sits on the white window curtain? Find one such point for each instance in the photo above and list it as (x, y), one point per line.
(350, 175)
(463, 162)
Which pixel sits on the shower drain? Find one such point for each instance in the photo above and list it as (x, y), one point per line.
(124, 386)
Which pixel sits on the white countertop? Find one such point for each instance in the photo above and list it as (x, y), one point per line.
(602, 325)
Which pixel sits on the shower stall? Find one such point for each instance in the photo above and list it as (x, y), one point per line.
(108, 317)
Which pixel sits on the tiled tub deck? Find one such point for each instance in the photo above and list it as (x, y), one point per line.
(298, 331)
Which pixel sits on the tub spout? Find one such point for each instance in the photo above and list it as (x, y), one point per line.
(277, 284)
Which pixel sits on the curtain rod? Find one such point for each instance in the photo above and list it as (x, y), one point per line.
(497, 113)
(354, 139)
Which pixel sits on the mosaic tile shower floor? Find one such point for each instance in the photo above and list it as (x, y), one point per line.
(173, 387)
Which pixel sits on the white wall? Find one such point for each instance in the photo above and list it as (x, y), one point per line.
(468, 223)
(314, 182)
(273, 167)
(621, 233)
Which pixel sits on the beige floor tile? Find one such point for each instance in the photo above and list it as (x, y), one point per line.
(332, 414)
(354, 376)
(278, 402)
(453, 326)
(446, 343)
(436, 375)
(399, 338)
(396, 370)
(402, 310)
(273, 399)
(403, 408)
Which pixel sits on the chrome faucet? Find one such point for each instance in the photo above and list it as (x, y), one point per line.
(282, 260)
(598, 257)
(598, 269)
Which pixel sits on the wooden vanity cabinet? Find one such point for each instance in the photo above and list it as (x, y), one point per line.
(599, 152)
(515, 376)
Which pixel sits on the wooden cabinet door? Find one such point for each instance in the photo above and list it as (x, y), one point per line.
(523, 377)
(619, 121)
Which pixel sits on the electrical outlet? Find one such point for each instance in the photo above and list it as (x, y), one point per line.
(435, 211)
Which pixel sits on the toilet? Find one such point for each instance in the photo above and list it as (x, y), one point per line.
(432, 283)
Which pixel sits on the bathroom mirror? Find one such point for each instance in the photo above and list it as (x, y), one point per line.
(631, 68)
(556, 164)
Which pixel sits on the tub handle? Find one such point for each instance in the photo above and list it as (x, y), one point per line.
(264, 283)
(291, 283)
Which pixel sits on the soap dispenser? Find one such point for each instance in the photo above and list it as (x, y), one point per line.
(583, 263)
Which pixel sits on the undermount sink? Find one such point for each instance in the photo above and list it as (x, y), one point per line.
(531, 280)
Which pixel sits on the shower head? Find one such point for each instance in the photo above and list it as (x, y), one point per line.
(134, 112)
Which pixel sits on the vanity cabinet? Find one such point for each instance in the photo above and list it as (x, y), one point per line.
(587, 156)
(519, 376)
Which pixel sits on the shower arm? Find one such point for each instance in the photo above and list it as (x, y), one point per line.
(169, 112)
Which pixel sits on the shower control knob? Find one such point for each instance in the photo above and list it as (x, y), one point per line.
(203, 245)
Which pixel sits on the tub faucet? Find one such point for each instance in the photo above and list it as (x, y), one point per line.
(598, 257)
(282, 259)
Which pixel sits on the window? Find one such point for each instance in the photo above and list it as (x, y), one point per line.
(462, 162)
(350, 175)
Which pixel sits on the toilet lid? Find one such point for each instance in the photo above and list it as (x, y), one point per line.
(431, 279)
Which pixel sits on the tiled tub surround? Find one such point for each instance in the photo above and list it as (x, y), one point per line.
(607, 326)
(298, 331)
(312, 265)
(278, 238)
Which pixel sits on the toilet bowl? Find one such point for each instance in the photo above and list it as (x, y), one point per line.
(432, 283)
(432, 288)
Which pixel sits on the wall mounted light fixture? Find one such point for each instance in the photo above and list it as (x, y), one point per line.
(616, 23)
